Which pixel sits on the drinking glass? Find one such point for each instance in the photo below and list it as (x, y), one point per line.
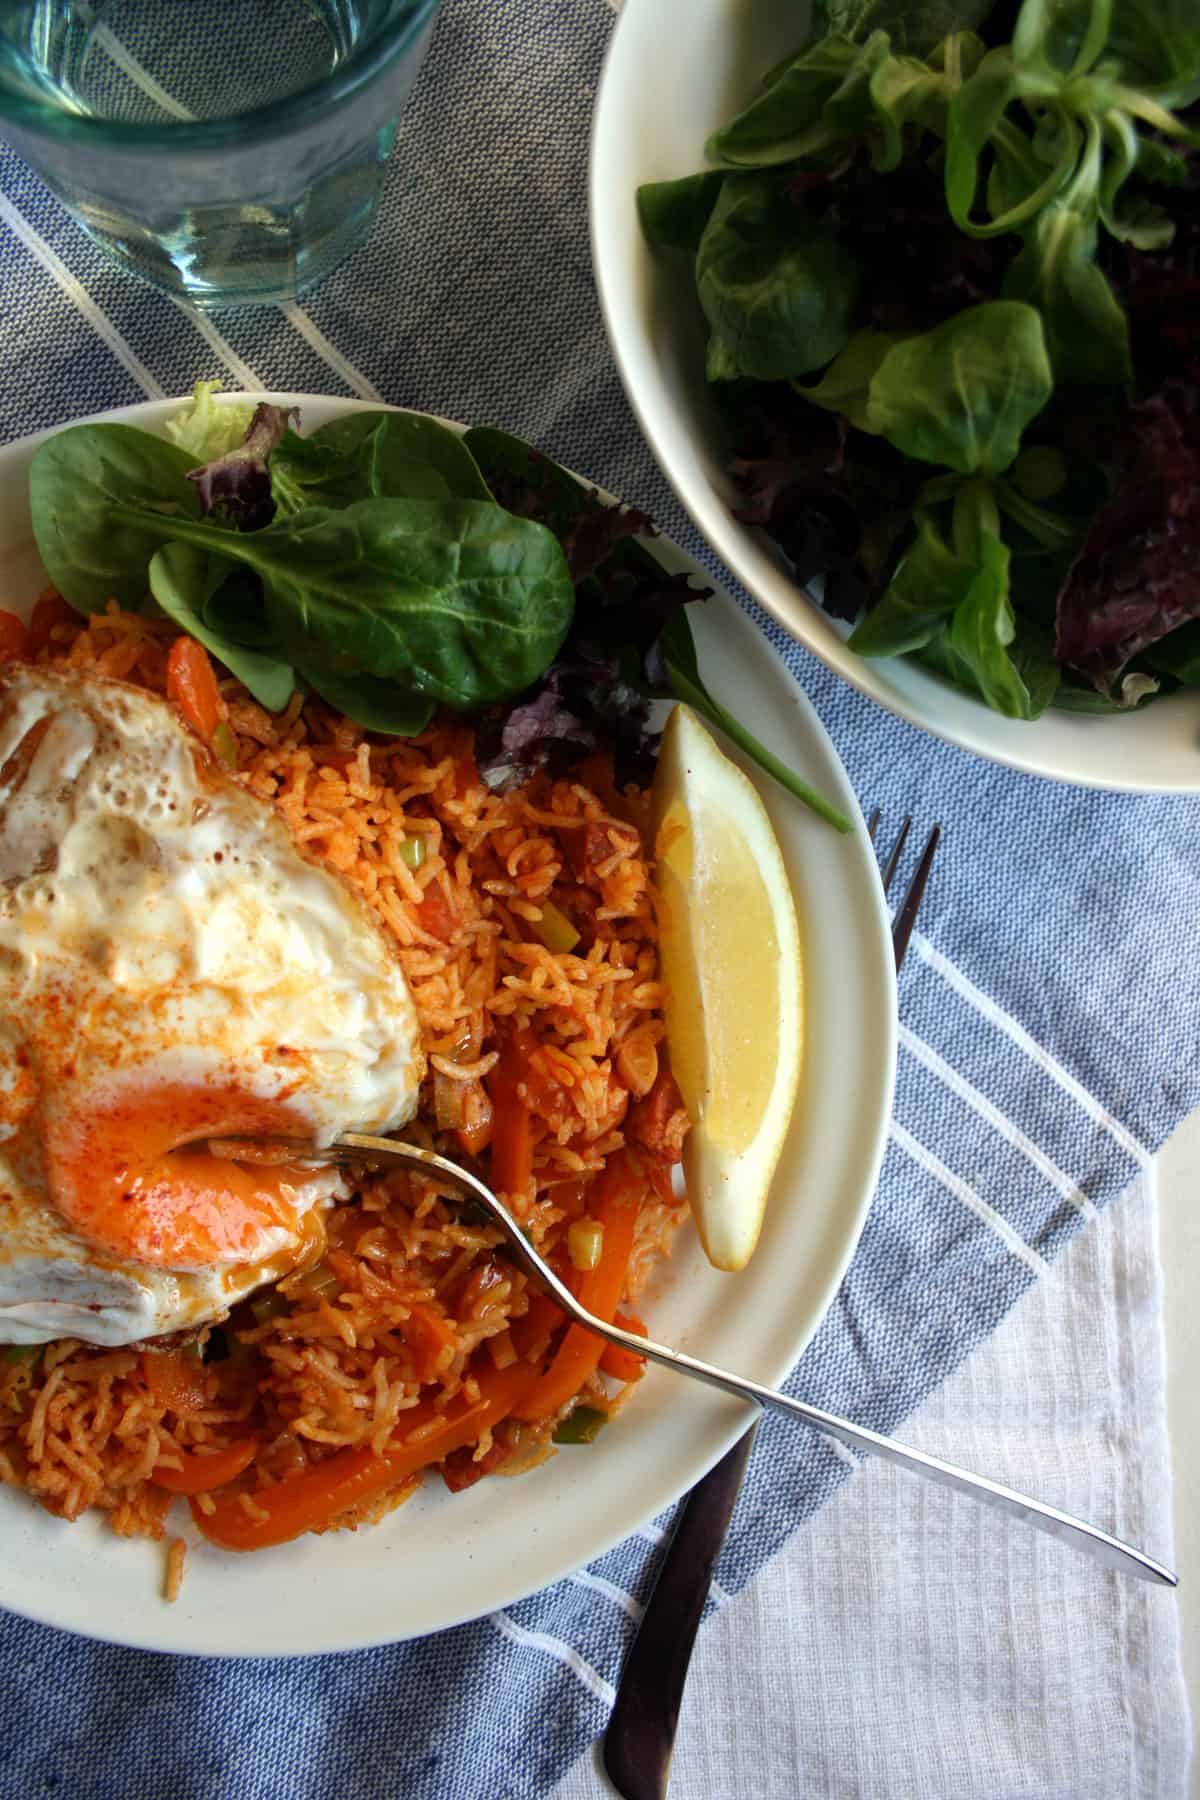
(230, 151)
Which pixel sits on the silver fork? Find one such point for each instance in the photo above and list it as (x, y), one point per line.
(353, 1149)
(641, 1730)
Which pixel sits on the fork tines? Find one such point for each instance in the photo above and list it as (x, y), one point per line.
(906, 913)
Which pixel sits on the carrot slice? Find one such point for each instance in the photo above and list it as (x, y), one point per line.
(312, 1501)
(436, 914)
(622, 1364)
(427, 1332)
(176, 1381)
(476, 1137)
(619, 1193)
(50, 610)
(512, 1131)
(202, 1471)
(14, 636)
(192, 685)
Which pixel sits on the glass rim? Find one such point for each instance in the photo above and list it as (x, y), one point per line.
(232, 130)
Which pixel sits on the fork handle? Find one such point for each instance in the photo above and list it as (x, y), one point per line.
(640, 1735)
(1109, 1550)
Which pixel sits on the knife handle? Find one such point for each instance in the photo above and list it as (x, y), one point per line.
(641, 1730)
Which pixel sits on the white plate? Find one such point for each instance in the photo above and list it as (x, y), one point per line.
(441, 1559)
(677, 69)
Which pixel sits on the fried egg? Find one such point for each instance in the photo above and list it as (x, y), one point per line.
(172, 967)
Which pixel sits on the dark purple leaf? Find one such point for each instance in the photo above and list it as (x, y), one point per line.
(1160, 289)
(1137, 576)
(581, 704)
(833, 499)
(238, 484)
(597, 691)
(918, 268)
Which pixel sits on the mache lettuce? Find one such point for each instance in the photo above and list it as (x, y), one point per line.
(974, 249)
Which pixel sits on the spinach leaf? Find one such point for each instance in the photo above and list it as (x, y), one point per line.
(778, 291)
(528, 482)
(396, 444)
(962, 394)
(376, 705)
(683, 674)
(929, 583)
(673, 214)
(75, 480)
(401, 456)
(183, 581)
(593, 533)
(455, 598)
(235, 611)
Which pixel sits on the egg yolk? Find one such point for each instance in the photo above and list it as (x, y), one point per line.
(122, 1174)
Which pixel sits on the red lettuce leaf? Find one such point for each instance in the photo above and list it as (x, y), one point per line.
(1137, 575)
(835, 500)
(582, 703)
(238, 484)
(596, 693)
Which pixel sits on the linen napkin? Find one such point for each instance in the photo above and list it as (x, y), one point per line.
(901, 1644)
(1049, 1002)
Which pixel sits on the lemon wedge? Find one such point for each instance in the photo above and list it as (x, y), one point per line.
(730, 947)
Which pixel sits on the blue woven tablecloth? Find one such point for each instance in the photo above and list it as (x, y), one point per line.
(1049, 1011)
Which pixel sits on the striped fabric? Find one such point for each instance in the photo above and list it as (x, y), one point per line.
(1049, 1007)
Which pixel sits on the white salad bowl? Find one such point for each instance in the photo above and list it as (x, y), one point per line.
(674, 73)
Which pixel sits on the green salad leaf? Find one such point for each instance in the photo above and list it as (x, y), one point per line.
(369, 455)
(386, 579)
(76, 479)
(946, 241)
(962, 394)
(779, 299)
(929, 583)
(915, 26)
(207, 430)
(184, 581)
(845, 387)
(1085, 328)
(787, 120)
(455, 598)
(673, 214)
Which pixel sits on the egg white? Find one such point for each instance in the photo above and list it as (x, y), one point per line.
(158, 923)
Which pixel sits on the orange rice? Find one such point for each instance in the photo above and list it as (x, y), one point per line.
(409, 1294)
